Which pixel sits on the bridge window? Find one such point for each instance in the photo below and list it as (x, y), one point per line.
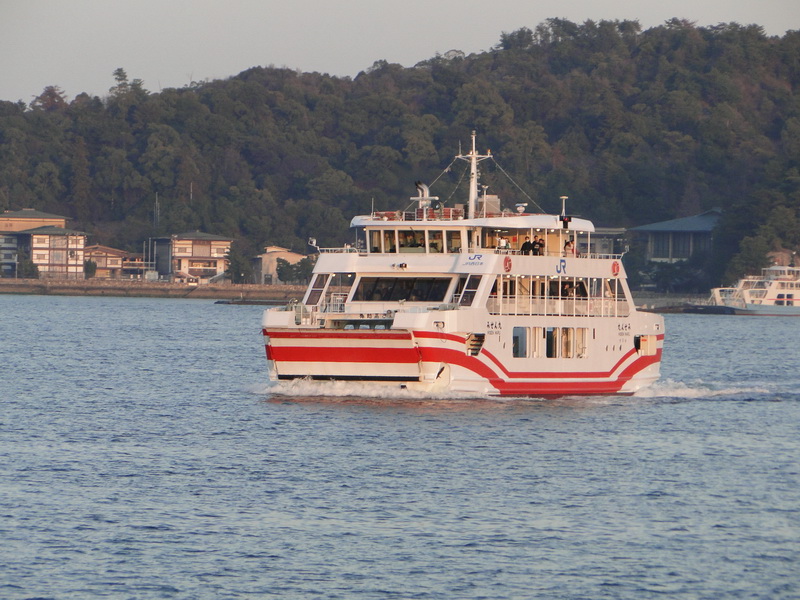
(317, 289)
(394, 289)
(467, 287)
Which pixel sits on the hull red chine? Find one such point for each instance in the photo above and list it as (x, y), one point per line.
(343, 355)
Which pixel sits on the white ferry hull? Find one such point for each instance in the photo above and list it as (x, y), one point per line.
(434, 362)
(773, 293)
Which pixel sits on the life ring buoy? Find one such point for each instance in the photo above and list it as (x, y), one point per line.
(507, 264)
(615, 268)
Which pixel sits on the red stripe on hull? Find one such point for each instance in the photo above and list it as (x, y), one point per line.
(429, 354)
(341, 355)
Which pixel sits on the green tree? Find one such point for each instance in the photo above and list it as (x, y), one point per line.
(239, 268)
(89, 268)
(26, 269)
(299, 272)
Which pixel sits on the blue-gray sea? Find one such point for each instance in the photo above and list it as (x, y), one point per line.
(143, 455)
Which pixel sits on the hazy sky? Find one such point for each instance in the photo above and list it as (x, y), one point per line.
(77, 44)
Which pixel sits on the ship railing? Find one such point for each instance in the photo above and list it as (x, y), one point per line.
(303, 315)
(346, 249)
(557, 253)
(420, 214)
(334, 304)
(603, 256)
(562, 307)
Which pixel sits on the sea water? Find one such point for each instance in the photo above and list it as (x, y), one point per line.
(143, 455)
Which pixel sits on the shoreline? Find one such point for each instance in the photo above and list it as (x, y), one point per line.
(247, 293)
(273, 294)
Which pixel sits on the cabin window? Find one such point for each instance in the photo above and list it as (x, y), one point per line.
(317, 288)
(411, 241)
(394, 289)
(453, 241)
(519, 343)
(560, 342)
(551, 342)
(389, 241)
(375, 242)
(435, 241)
(567, 341)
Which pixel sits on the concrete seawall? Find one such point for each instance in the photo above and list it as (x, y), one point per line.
(108, 287)
(273, 294)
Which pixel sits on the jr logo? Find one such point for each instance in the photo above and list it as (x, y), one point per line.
(475, 257)
(561, 267)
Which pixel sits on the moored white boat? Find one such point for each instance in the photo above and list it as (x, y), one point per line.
(451, 299)
(776, 292)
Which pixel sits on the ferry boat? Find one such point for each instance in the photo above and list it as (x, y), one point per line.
(776, 292)
(444, 300)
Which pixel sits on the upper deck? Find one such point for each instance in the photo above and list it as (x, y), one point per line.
(445, 231)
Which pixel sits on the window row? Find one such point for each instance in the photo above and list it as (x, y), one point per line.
(408, 240)
(550, 342)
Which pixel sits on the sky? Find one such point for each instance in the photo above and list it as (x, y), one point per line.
(78, 44)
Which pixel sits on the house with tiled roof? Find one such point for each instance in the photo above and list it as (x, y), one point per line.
(108, 260)
(192, 257)
(43, 238)
(677, 239)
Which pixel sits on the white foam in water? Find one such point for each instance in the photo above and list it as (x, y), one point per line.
(301, 388)
(678, 389)
(346, 389)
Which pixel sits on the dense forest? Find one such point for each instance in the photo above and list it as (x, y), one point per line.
(634, 126)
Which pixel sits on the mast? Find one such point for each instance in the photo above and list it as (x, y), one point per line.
(474, 158)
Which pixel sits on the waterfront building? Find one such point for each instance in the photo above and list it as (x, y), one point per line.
(194, 257)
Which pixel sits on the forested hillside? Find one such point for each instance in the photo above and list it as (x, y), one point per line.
(634, 126)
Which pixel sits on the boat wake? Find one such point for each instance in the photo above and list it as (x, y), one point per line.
(318, 390)
(699, 390)
(358, 392)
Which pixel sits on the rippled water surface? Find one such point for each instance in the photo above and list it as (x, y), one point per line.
(143, 455)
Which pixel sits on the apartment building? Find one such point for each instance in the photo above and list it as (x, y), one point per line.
(193, 257)
(43, 238)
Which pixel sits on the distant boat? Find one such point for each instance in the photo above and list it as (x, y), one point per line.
(776, 292)
(441, 299)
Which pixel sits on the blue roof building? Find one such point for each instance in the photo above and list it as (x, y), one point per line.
(678, 239)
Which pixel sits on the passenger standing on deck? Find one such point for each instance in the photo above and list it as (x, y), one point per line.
(527, 246)
(569, 248)
(538, 246)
